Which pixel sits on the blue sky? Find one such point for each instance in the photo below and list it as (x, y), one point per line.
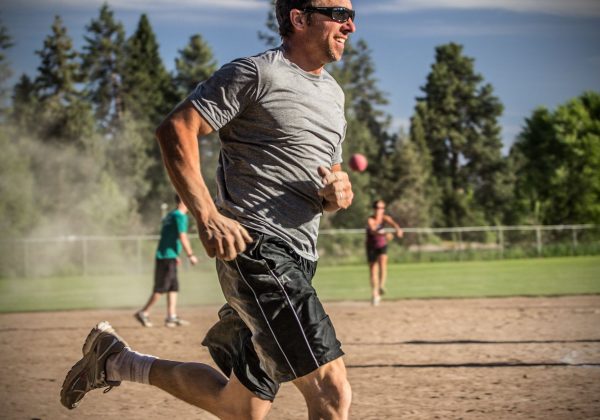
(533, 52)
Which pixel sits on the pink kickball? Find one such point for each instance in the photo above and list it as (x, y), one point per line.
(358, 162)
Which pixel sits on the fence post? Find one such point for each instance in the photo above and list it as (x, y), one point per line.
(574, 239)
(460, 245)
(538, 235)
(501, 241)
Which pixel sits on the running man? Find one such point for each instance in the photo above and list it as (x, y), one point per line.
(280, 117)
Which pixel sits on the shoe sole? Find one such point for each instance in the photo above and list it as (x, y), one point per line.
(75, 371)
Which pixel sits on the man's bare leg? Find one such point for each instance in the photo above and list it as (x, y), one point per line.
(327, 391)
(171, 304)
(204, 387)
(154, 297)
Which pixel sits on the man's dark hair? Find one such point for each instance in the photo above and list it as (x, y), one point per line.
(177, 199)
(282, 11)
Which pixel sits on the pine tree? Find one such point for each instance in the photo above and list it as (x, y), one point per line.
(430, 187)
(194, 64)
(148, 91)
(57, 73)
(148, 95)
(102, 67)
(62, 116)
(459, 117)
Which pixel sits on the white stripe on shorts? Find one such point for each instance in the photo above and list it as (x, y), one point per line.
(295, 316)
(265, 317)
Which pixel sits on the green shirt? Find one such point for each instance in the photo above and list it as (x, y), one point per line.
(174, 224)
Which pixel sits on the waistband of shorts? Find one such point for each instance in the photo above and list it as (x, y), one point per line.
(262, 236)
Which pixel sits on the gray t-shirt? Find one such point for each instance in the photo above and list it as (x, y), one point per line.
(277, 125)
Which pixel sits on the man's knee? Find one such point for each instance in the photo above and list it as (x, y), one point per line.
(336, 393)
(327, 390)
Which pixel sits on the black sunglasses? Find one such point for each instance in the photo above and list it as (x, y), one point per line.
(339, 14)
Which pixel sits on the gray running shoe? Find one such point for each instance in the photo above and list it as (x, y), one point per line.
(143, 319)
(175, 322)
(90, 372)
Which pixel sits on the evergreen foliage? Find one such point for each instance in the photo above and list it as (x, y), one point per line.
(459, 118)
(148, 95)
(149, 92)
(102, 67)
(194, 64)
(61, 115)
(58, 70)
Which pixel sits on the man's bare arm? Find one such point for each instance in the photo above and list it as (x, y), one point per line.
(178, 136)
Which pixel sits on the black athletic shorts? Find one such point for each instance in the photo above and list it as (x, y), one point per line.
(165, 275)
(373, 253)
(273, 328)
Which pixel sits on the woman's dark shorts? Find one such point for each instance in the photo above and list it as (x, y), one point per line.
(373, 253)
(165, 275)
(273, 328)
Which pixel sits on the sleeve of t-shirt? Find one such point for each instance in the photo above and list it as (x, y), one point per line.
(226, 93)
(182, 222)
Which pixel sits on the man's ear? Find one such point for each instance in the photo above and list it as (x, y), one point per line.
(298, 19)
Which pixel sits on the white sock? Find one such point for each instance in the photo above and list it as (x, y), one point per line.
(129, 365)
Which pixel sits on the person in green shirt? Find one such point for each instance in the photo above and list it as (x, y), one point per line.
(173, 237)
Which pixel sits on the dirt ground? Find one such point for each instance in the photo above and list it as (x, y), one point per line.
(509, 358)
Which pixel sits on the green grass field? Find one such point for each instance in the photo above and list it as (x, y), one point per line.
(199, 286)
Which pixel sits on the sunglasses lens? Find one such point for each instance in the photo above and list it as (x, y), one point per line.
(339, 15)
(342, 15)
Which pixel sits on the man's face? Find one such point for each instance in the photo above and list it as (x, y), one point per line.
(328, 35)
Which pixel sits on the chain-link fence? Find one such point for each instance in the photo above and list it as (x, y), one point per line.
(466, 243)
(105, 255)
